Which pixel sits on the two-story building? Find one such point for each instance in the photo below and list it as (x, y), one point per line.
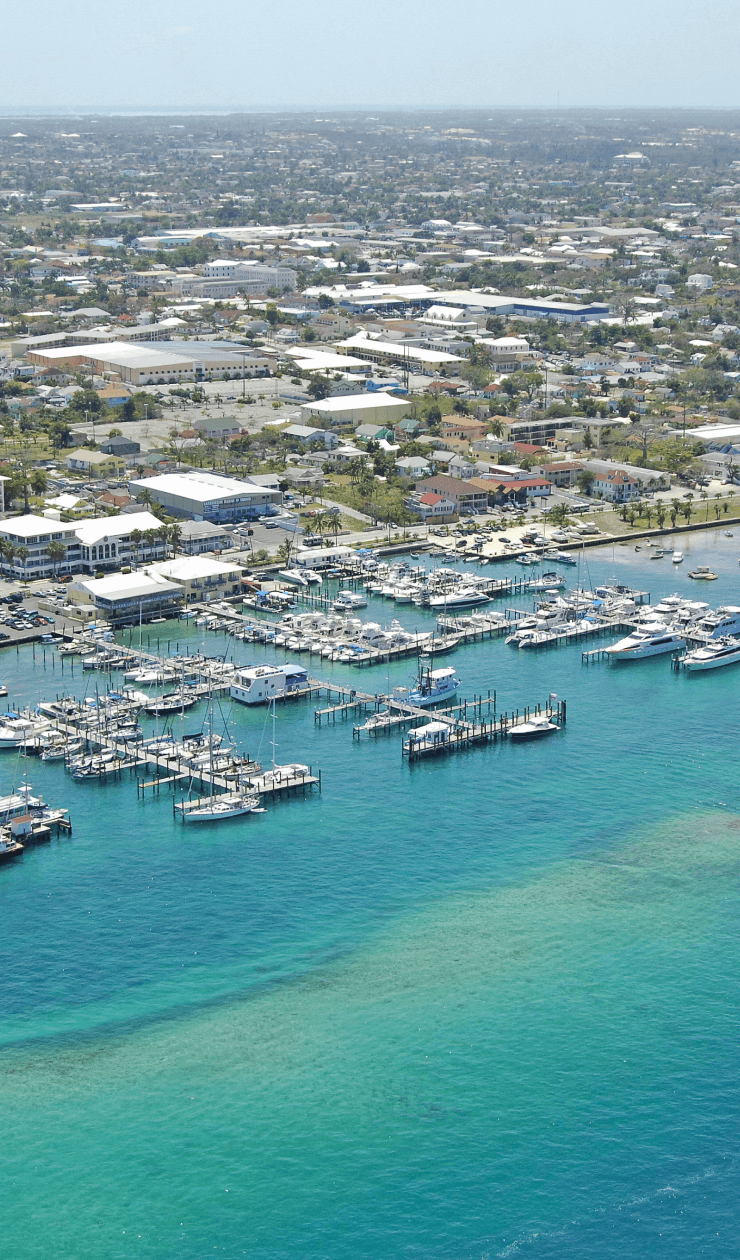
(465, 427)
(466, 497)
(617, 487)
(199, 577)
(96, 463)
(430, 507)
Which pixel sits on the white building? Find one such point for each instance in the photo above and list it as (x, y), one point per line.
(106, 542)
(375, 408)
(617, 487)
(125, 599)
(251, 273)
(206, 496)
(699, 281)
(33, 534)
(631, 161)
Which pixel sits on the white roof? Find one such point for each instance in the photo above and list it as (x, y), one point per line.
(730, 432)
(203, 487)
(356, 402)
(30, 526)
(189, 568)
(322, 360)
(119, 585)
(104, 527)
(127, 354)
(396, 348)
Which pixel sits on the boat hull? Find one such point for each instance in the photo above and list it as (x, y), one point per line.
(698, 666)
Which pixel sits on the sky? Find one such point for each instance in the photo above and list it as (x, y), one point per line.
(383, 54)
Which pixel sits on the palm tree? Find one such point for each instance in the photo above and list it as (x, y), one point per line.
(22, 554)
(163, 534)
(136, 537)
(660, 515)
(175, 536)
(687, 509)
(704, 495)
(150, 537)
(7, 551)
(334, 521)
(57, 551)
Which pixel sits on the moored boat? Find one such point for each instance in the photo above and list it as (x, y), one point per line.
(714, 655)
(535, 728)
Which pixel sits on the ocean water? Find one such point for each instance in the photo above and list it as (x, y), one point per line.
(485, 1006)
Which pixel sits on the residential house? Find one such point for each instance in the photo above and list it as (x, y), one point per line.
(413, 466)
(407, 429)
(97, 463)
(510, 491)
(465, 496)
(617, 487)
(432, 507)
(465, 427)
(114, 394)
(373, 433)
(306, 434)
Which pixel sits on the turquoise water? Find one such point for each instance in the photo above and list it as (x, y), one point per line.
(482, 1007)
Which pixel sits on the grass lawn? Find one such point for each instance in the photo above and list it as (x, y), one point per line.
(702, 511)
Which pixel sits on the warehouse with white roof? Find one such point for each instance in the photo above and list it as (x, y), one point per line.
(375, 408)
(204, 496)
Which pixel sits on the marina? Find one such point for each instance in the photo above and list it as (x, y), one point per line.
(148, 712)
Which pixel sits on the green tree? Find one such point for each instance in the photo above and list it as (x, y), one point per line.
(57, 551)
(585, 481)
(22, 554)
(318, 389)
(38, 481)
(136, 537)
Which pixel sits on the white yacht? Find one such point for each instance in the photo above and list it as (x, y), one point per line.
(20, 728)
(227, 805)
(677, 557)
(647, 642)
(726, 620)
(465, 597)
(347, 601)
(433, 686)
(262, 683)
(713, 655)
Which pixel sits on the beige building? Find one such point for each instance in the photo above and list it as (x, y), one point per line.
(200, 577)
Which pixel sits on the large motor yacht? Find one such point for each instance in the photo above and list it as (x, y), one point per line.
(642, 643)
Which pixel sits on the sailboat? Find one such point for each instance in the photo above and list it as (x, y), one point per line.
(227, 804)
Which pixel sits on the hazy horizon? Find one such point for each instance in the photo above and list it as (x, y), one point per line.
(237, 58)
